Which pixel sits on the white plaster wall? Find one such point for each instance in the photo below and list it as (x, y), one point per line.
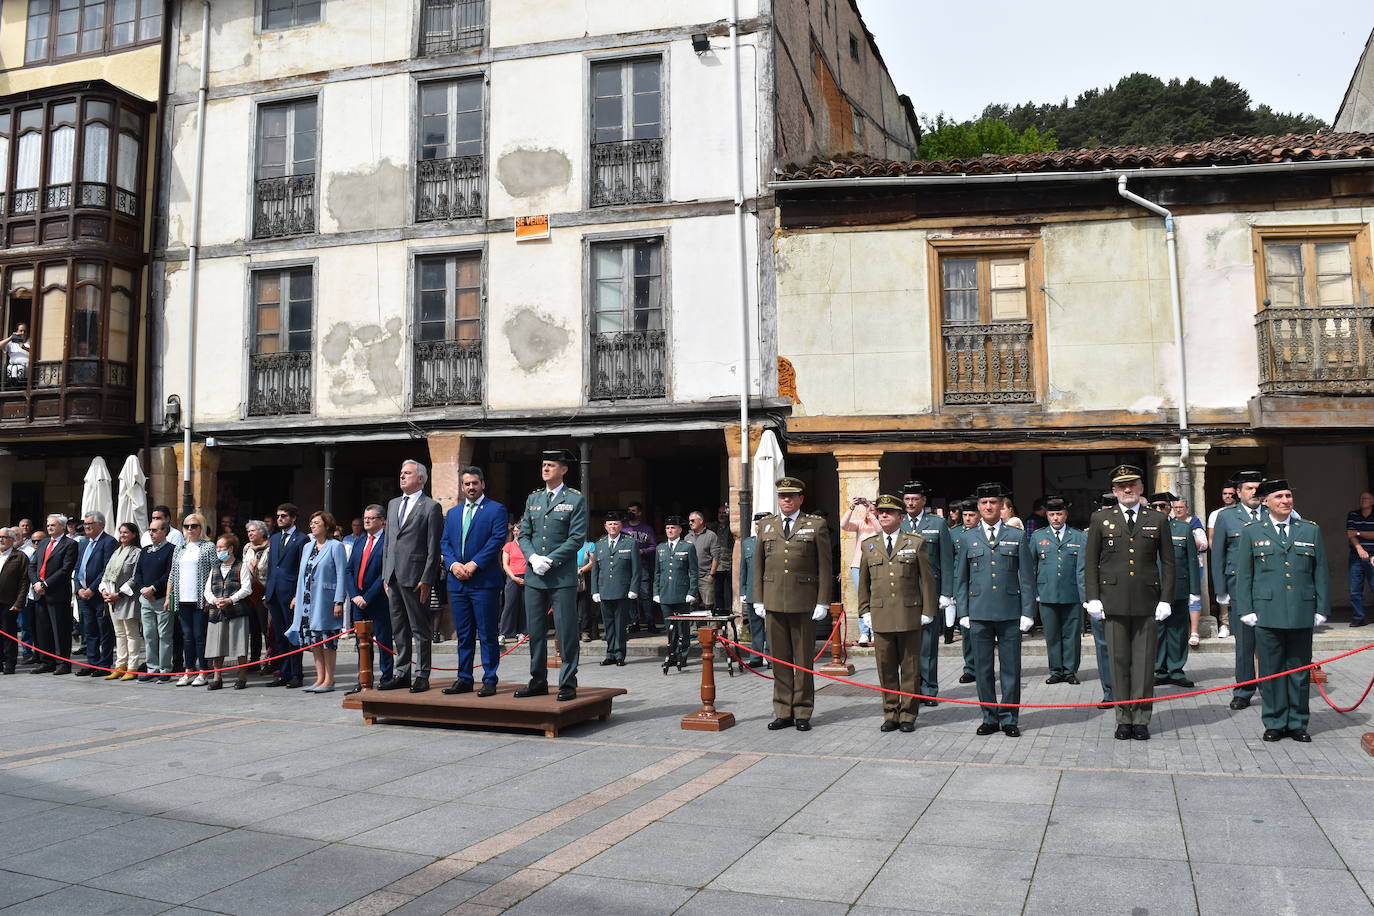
(537, 113)
(1217, 265)
(515, 22)
(701, 124)
(226, 187)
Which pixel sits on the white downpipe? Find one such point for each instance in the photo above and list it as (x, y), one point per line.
(1176, 298)
(193, 265)
(742, 267)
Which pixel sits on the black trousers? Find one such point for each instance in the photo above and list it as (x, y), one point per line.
(55, 625)
(9, 649)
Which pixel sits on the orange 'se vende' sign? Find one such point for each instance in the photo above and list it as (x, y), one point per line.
(529, 228)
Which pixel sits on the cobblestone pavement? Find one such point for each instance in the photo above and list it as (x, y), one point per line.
(132, 798)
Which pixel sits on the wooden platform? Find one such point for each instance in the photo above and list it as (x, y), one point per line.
(545, 714)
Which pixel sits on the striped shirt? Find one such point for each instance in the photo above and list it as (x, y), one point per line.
(1363, 526)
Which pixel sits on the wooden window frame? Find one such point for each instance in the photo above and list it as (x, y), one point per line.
(1357, 234)
(451, 290)
(284, 283)
(144, 10)
(1032, 248)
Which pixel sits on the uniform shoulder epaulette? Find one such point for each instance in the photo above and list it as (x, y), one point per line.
(571, 490)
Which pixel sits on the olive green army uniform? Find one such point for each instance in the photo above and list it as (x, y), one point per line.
(897, 589)
(793, 573)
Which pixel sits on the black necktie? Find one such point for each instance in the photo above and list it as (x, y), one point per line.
(787, 528)
(1254, 515)
(889, 545)
(1283, 531)
(1130, 520)
(992, 536)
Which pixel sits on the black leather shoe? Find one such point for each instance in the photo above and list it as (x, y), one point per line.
(1140, 732)
(293, 683)
(1070, 679)
(1240, 702)
(1300, 734)
(777, 724)
(421, 684)
(1124, 732)
(966, 679)
(607, 662)
(280, 682)
(620, 662)
(458, 687)
(908, 727)
(532, 692)
(987, 728)
(62, 669)
(44, 669)
(567, 693)
(1011, 731)
(1272, 734)
(487, 690)
(1055, 679)
(754, 663)
(357, 688)
(803, 725)
(929, 702)
(83, 672)
(887, 726)
(1105, 704)
(1181, 682)
(396, 683)
(1358, 623)
(1160, 681)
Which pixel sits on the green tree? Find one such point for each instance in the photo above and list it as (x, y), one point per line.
(947, 139)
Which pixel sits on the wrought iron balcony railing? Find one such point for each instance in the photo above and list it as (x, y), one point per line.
(627, 172)
(448, 372)
(628, 364)
(284, 206)
(1322, 350)
(989, 363)
(452, 25)
(448, 188)
(279, 383)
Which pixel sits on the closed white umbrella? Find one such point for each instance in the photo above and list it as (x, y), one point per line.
(133, 499)
(768, 467)
(96, 495)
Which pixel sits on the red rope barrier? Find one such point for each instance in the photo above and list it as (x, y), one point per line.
(825, 645)
(523, 639)
(1322, 688)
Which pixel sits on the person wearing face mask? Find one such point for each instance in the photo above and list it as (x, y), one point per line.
(1225, 536)
(226, 597)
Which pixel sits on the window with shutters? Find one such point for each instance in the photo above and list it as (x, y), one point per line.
(628, 341)
(450, 178)
(447, 26)
(279, 378)
(284, 193)
(448, 329)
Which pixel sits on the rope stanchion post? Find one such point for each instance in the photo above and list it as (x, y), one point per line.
(1367, 742)
(708, 718)
(364, 631)
(1318, 675)
(839, 663)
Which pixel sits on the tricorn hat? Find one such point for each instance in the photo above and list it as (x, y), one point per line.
(673, 520)
(915, 486)
(1248, 477)
(1163, 496)
(1057, 504)
(561, 455)
(613, 515)
(1275, 485)
(993, 490)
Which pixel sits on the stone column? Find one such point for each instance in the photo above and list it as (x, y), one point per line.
(1167, 466)
(448, 451)
(164, 477)
(858, 472)
(204, 482)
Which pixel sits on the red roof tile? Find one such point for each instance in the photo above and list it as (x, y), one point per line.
(1325, 145)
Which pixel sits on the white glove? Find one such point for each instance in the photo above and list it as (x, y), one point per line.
(949, 614)
(1094, 609)
(926, 620)
(821, 612)
(540, 564)
(946, 601)
(1250, 620)
(867, 619)
(1318, 620)
(758, 608)
(631, 595)
(1026, 624)
(691, 599)
(1194, 600)
(1163, 610)
(656, 601)
(964, 622)
(596, 596)
(1224, 600)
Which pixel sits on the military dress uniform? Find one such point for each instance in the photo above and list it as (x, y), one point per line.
(1059, 588)
(614, 580)
(1281, 578)
(966, 642)
(1172, 652)
(897, 586)
(555, 526)
(793, 574)
(676, 580)
(940, 551)
(1225, 539)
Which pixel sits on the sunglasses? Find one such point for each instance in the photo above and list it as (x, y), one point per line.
(193, 526)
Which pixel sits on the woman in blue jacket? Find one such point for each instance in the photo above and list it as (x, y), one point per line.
(319, 601)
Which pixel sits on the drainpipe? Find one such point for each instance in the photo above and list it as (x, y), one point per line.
(742, 267)
(193, 275)
(1184, 475)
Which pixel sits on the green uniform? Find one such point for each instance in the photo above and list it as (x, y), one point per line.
(1126, 567)
(792, 576)
(940, 549)
(1059, 588)
(994, 585)
(676, 579)
(1283, 582)
(615, 576)
(1172, 652)
(896, 590)
(965, 642)
(758, 629)
(1225, 536)
(555, 526)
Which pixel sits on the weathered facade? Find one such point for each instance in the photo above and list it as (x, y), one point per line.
(1011, 319)
(1357, 106)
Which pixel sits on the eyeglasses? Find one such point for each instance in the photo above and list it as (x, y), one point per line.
(283, 515)
(372, 518)
(193, 526)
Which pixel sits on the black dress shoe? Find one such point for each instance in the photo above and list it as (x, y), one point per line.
(293, 683)
(755, 662)
(988, 728)
(908, 727)
(43, 669)
(887, 726)
(1105, 704)
(620, 662)
(1358, 623)
(1140, 732)
(396, 683)
(1070, 679)
(62, 669)
(531, 691)
(966, 679)
(278, 682)
(1124, 733)
(803, 725)
(458, 687)
(1272, 734)
(84, 672)
(1181, 682)
(487, 690)
(1011, 731)
(357, 688)
(1240, 702)
(777, 724)
(1300, 734)
(1160, 681)
(1055, 679)
(567, 693)
(421, 684)
(929, 702)
(607, 662)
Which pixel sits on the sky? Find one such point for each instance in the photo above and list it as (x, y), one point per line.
(956, 57)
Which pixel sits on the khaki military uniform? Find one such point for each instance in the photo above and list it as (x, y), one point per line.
(792, 575)
(897, 591)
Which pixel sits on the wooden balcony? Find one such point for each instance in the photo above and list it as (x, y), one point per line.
(989, 363)
(1316, 351)
(89, 395)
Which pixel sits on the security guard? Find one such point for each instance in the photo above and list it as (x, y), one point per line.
(758, 630)
(1281, 582)
(968, 515)
(551, 532)
(615, 576)
(1058, 551)
(940, 549)
(1128, 563)
(793, 574)
(897, 588)
(1172, 652)
(675, 587)
(994, 582)
(1225, 536)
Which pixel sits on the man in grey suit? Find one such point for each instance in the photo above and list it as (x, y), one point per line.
(414, 524)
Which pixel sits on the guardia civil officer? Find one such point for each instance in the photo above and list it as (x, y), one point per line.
(1128, 571)
(1172, 652)
(994, 582)
(792, 576)
(1225, 537)
(1281, 582)
(758, 635)
(897, 589)
(940, 549)
(615, 576)
(676, 575)
(552, 531)
(1058, 551)
(968, 520)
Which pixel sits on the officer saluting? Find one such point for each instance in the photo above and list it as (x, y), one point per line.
(1281, 583)
(552, 531)
(791, 578)
(897, 587)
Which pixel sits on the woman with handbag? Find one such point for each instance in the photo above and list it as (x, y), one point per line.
(226, 593)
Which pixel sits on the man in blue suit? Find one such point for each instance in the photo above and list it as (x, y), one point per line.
(96, 624)
(474, 533)
(283, 565)
(366, 591)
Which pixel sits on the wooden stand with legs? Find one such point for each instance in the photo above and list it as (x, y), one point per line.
(708, 718)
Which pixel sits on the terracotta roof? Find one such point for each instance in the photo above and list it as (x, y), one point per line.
(1325, 145)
